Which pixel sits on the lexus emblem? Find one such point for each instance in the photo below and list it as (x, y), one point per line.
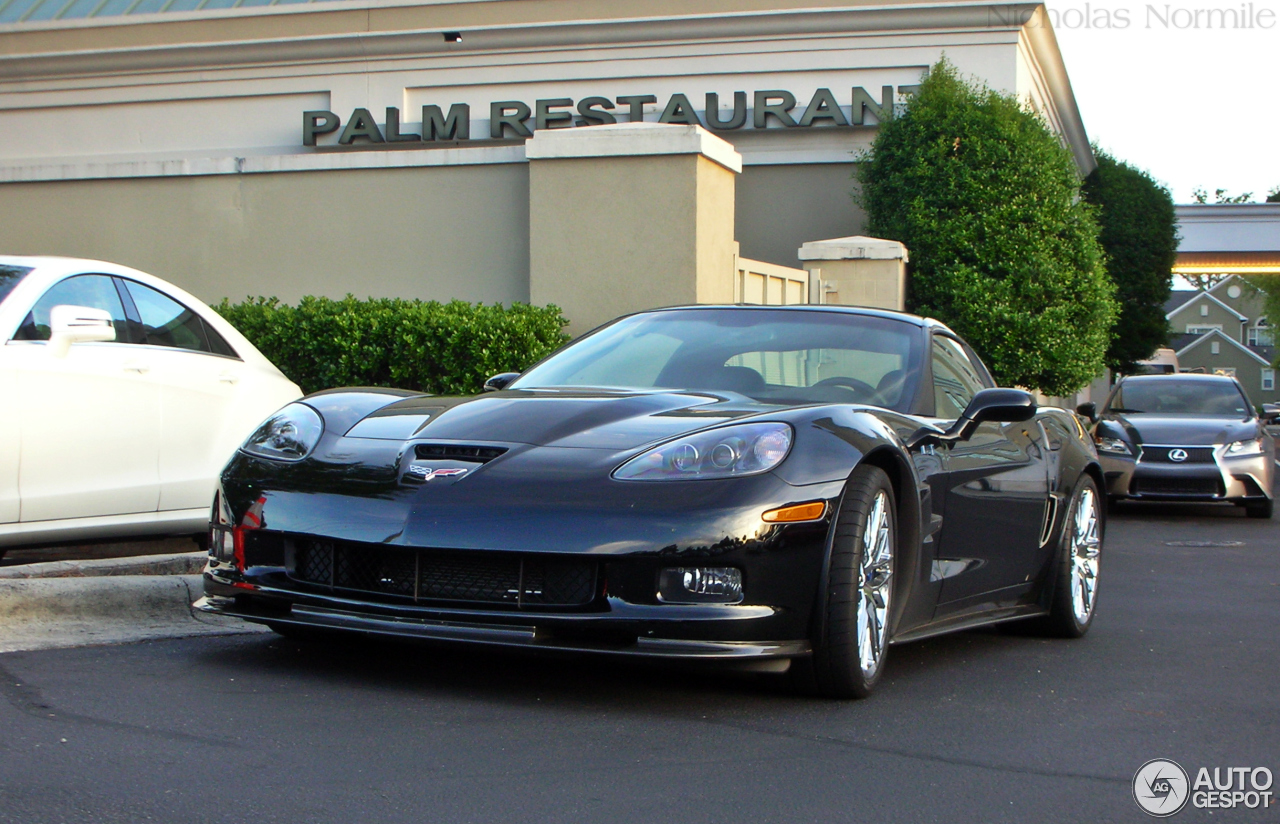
(1177, 455)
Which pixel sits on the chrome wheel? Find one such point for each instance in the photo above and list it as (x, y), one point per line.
(875, 575)
(1085, 548)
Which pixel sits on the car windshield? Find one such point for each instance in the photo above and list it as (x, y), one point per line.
(11, 276)
(773, 356)
(1219, 399)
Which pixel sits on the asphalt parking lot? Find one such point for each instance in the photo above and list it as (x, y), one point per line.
(983, 726)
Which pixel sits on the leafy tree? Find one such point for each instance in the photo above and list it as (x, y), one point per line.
(1139, 231)
(1205, 282)
(1003, 249)
(1220, 196)
(1274, 196)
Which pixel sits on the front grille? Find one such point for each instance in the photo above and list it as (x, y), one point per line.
(1177, 486)
(442, 575)
(1160, 454)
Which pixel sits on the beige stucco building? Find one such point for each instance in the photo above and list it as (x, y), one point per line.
(179, 142)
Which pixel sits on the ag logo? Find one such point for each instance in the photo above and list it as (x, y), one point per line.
(1177, 455)
(1161, 787)
(426, 473)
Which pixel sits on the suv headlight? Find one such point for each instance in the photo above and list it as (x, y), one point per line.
(1253, 446)
(288, 435)
(726, 452)
(1113, 446)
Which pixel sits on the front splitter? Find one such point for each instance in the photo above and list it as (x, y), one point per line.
(520, 637)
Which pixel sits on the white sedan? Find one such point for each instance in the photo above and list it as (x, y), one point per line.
(122, 399)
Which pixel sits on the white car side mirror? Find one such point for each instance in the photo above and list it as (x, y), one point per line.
(77, 324)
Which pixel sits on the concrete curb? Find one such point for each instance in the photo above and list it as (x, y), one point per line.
(182, 563)
(45, 613)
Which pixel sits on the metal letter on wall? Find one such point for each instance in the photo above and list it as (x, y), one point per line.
(863, 102)
(736, 120)
(455, 126)
(500, 118)
(318, 123)
(780, 110)
(360, 125)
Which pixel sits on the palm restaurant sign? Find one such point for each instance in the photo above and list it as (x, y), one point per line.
(517, 119)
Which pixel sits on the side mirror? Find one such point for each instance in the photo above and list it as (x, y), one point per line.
(77, 324)
(500, 381)
(1270, 413)
(998, 405)
(1088, 410)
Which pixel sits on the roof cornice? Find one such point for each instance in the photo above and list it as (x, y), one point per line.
(1242, 318)
(1202, 338)
(357, 42)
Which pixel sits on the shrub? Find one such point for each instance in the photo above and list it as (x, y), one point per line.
(1002, 249)
(1139, 231)
(448, 348)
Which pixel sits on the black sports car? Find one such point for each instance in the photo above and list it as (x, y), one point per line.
(786, 488)
(1184, 437)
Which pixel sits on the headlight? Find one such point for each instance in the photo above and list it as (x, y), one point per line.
(1113, 446)
(727, 452)
(1252, 446)
(288, 435)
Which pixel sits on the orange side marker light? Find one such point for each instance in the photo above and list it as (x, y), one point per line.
(799, 512)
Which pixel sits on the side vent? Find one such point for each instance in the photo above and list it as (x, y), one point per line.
(454, 452)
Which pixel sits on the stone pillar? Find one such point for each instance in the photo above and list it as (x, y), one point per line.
(628, 217)
(857, 271)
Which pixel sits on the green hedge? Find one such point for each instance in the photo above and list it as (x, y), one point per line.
(448, 348)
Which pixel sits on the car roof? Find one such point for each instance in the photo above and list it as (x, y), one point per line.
(1182, 376)
(864, 311)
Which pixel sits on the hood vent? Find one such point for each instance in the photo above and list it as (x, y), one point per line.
(455, 452)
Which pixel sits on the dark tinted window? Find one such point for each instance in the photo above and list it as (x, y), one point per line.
(955, 380)
(94, 291)
(218, 344)
(1212, 398)
(165, 322)
(11, 276)
(773, 356)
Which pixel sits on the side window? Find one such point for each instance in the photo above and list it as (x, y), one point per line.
(165, 322)
(94, 291)
(954, 380)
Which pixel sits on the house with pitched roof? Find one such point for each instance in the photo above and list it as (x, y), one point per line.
(1224, 330)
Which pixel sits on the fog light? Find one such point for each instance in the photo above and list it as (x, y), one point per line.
(700, 585)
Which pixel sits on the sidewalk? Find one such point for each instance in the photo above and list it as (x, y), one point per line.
(110, 601)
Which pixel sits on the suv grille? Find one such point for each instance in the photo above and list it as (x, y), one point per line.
(1177, 486)
(1160, 454)
(442, 575)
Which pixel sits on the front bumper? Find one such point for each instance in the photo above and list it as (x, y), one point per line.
(1226, 478)
(558, 634)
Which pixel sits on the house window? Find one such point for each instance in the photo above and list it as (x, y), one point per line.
(1226, 372)
(1200, 330)
(1260, 334)
(1204, 310)
(1215, 347)
(1268, 379)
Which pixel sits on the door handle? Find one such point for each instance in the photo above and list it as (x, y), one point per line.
(228, 377)
(140, 368)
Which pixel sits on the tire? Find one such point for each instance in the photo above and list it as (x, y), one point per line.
(2, 552)
(1259, 510)
(1075, 591)
(849, 653)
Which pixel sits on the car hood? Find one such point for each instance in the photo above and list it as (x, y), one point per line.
(1185, 430)
(591, 419)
